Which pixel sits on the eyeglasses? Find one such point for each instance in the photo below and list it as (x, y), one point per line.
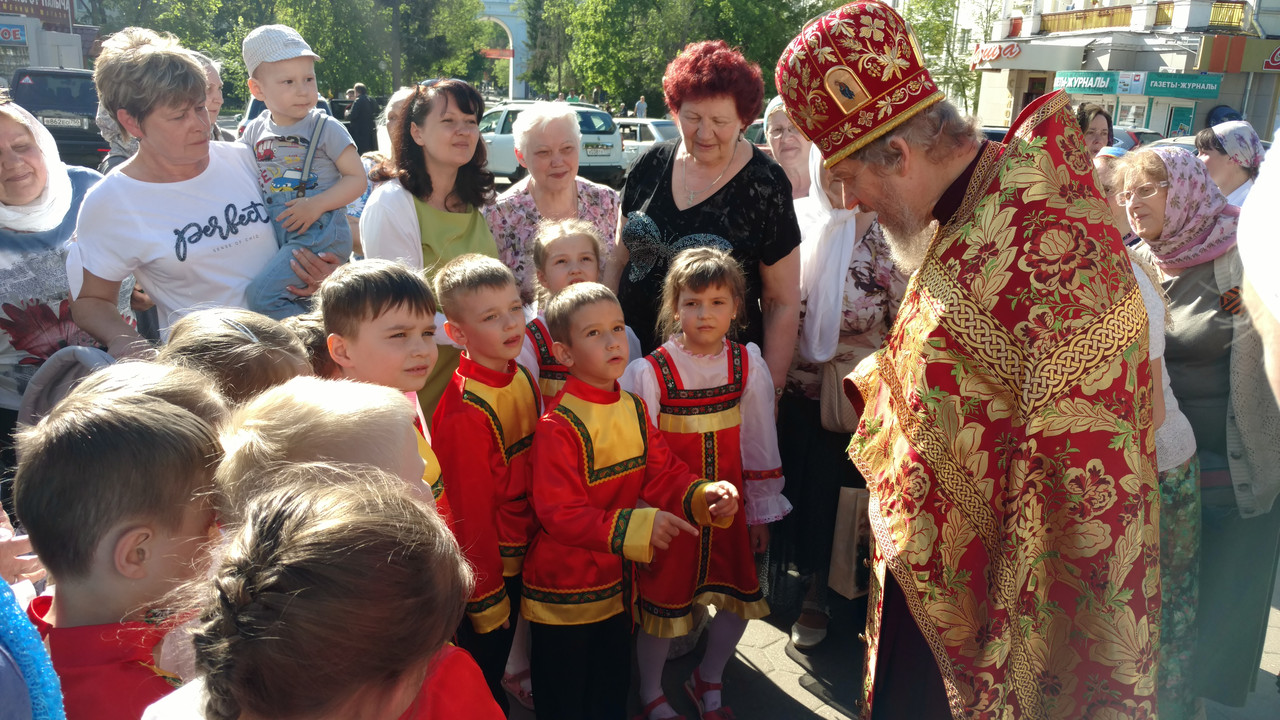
(776, 132)
(1142, 192)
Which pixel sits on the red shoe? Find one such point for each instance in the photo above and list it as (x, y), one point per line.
(644, 714)
(696, 688)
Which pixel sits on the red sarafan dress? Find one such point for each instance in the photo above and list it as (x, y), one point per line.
(716, 413)
(537, 357)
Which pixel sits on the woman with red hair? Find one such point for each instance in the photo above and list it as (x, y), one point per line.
(710, 188)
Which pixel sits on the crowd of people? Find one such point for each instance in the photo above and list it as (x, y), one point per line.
(399, 446)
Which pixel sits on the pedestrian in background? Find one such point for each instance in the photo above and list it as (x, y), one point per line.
(360, 119)
(642, 108)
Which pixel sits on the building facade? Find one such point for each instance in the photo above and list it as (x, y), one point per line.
(1173, 66)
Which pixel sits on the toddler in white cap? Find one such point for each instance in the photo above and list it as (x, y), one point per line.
(307, 163)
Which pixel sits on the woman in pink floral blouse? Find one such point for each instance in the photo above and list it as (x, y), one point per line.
(547, 140)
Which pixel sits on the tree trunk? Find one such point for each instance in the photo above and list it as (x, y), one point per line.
(396, 70)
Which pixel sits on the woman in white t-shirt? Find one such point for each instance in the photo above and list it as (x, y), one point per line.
(184, 214)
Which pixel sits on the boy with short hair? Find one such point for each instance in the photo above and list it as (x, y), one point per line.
(484, 427)
(111, 488)
(596, 459)
(282, 75)
(381, 320)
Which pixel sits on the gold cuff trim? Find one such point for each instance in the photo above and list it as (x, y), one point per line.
(702, 509)
(637, 543)
(491, 618)
(512, 566)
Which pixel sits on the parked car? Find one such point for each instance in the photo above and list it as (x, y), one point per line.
(66, 102)
(639, 134)
(256, 106)
(600, 158)
(1132, 138)
(755, 134)
(1188, 143)
(995, 134)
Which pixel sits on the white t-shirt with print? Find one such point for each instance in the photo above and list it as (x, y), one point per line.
(192, 244)
(281, 152)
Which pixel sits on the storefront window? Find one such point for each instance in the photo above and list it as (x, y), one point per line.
(1132, 114)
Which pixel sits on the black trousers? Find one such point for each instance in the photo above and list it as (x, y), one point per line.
(490, 649)
(582, 672)
(908, 682)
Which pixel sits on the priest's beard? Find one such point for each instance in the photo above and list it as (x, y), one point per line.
(908, 230)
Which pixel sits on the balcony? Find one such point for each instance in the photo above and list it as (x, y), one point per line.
(1228, 15)
(1102, 18)
(1164, 14)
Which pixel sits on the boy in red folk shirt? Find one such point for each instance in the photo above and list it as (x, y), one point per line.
(596, 460)
(113, 489)
(483, 429)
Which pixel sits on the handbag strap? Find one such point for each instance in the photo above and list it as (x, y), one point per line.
(317, 132)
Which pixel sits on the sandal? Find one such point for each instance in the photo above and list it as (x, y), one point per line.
(644, 714)
(696, 688)
(511, 683)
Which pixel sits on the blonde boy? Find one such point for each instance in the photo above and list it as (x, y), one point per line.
(596, 457)
(308, 419)
(483, 428)
(110, 487)
(282, 75)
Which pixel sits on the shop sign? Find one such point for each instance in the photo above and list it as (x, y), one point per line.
(1131, 83)
(1236, 53)
(1272, 62)
(53, 14)
(13, 35)
(1086, 82)
(1183, 86)
(988, 52)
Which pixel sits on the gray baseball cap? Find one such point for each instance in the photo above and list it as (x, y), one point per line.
(273, 43)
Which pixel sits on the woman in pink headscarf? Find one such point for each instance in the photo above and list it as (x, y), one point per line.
(1215, 366)
(1232, 152)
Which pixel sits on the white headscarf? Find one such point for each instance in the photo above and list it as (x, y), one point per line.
(828, 236)
(50, 207)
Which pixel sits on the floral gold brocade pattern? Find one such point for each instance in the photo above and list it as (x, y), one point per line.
(1012, 474)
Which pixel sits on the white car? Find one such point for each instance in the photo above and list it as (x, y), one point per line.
(600, 158)
(639, 134)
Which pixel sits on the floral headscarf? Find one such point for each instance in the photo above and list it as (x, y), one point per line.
(1199, 223)
(49, 208)
(1242, 144)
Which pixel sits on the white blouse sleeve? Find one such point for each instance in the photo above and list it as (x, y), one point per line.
(1153, 301)
(389, 225)
(641, 380)
(761, 464)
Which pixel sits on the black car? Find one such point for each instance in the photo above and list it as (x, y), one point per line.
(66, 102)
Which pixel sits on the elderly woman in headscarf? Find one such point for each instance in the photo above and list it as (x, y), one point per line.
(1232, 152)
(789, 146)
(39, 200)
(1214, 360)
(850, 293)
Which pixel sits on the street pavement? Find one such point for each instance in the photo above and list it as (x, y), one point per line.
(768, 680)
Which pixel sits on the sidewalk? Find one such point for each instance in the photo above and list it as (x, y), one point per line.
(768, 680)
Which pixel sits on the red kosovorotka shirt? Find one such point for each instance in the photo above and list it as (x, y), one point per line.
(483, 428)
(596, 456)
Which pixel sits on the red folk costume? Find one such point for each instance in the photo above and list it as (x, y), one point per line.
(483, 428)
(537, 353)
(108, 672)
(595, 457)
(1006, 438)
(716, 413)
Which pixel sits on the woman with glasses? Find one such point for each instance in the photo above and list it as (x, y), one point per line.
(789, 146)
(1215, 365)
(427, 209)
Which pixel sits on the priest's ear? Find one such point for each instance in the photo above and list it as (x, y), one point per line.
(905, 154)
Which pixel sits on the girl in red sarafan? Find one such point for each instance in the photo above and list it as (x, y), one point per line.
(713, 400)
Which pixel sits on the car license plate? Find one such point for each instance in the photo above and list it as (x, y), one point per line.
(62, 122)
(597, 151)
